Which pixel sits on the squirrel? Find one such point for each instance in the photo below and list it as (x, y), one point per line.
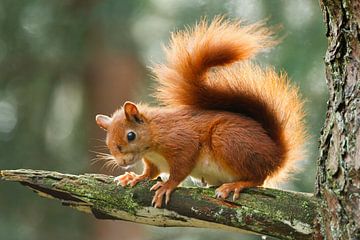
(223, 119)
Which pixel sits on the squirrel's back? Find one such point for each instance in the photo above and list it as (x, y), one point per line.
(244, 88)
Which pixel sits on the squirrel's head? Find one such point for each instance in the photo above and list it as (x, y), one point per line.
(128, 134)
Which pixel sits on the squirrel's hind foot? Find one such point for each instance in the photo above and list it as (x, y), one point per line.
(236, 187)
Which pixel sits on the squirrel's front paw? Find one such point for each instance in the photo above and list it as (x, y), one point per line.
(162, 189)
(129, 178)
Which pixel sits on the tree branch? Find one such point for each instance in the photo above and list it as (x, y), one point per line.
(282, 214)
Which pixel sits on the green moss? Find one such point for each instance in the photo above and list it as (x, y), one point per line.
(264, 211)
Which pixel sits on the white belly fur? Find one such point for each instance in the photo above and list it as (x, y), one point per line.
(209, 171)
(158, 160)
(206, 169)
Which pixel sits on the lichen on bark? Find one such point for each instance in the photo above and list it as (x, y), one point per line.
(282, 214)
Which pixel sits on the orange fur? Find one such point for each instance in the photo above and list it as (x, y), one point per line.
(236, 125)
(245, 88)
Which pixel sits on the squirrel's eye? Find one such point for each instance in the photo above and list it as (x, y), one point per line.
(131, 136)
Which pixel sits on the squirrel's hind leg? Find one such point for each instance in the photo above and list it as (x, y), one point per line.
(224, 190)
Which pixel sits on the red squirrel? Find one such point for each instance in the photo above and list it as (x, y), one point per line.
(223, 119)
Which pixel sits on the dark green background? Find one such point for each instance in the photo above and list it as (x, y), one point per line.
(61, 62)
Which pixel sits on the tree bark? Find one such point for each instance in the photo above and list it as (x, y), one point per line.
(338, 178)
(282, 214)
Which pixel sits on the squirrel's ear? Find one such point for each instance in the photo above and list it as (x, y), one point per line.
(103, 121)
(132, 113)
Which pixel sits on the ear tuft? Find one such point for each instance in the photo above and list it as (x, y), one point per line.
(103, 121)
(132, 113)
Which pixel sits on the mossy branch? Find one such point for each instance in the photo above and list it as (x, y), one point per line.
(282, 214)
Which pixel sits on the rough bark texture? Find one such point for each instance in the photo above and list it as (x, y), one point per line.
(338, 179)
(282, 214)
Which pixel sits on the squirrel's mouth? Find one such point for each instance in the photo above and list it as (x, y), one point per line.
(127, 160)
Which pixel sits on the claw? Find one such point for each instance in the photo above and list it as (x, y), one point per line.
(153, 201)
(167, 197)
(224, 190)
(236, 194)
(129, 178)
(133, 182)
(156, 186)
(162, 189)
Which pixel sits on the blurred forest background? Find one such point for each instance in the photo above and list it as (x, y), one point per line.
(62, 62)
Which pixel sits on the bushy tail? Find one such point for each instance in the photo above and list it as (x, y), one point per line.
(244, 88)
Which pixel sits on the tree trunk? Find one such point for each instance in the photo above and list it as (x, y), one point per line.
(338, 177)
